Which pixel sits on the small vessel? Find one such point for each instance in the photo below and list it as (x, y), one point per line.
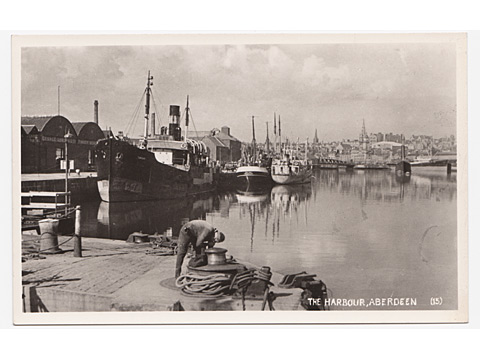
(256, 172)
(287, 172)
(156, 166)
(403, 167)
(253, 175)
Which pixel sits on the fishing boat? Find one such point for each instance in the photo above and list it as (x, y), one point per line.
(254, 172)
(292, 170)
(156, 166)
(286, 172)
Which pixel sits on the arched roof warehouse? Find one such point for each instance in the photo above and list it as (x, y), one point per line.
(88, 131)
(55, 126)
(44, 144)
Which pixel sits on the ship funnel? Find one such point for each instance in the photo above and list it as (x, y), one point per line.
(174, 125)
(95, 111)
(175, 110)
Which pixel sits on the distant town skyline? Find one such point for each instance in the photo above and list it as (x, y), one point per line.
(399, 88)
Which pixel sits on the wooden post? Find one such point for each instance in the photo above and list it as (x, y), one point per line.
(77, 241)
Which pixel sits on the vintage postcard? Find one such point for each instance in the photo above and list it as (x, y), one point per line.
(193, 179)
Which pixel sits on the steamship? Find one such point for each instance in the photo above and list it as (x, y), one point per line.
(156, 166)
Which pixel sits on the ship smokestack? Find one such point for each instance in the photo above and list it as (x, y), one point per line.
(174, 125)
(153, 124)
(95, 111)
(174, 113)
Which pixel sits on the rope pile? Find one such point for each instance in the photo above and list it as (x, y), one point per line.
(219, 284)
(213, 285)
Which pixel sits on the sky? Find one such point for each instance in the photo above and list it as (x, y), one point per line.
(404, 88)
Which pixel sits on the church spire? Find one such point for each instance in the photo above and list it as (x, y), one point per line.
(364, 136)
(315, 138)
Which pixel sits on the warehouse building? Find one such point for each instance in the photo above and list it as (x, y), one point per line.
(43, 143)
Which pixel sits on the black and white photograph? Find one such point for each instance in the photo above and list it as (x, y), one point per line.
(240, 178)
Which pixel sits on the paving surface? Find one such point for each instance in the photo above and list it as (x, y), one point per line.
(119, 276)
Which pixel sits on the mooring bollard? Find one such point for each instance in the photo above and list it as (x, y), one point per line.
(49, 237)
(77, 241)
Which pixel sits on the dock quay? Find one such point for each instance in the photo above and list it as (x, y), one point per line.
(114, 275)
(80, 185)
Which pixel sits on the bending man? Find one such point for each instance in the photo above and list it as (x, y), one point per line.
(200, 234)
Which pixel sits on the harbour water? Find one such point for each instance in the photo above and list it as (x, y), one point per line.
(378, 242)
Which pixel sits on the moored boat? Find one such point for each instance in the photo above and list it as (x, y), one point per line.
(155, 167)
(254, 172)
(253, 175)
(403, 167)
(286, 172)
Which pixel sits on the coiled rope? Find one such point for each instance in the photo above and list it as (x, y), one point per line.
(213, 285)
(219, 284)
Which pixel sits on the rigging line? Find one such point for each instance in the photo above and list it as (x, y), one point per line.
(193, 122)
(134, 122)
(130, 124)
(157, 112)
(133, 118)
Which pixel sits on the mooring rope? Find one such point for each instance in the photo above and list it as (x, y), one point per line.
(218, 284)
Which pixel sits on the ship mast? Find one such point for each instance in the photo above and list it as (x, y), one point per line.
(268, 141)
(280, 134)
(254, 142)
(275, 133)
(306, 149)
(296, 155)
(187, 110)
(147, 108)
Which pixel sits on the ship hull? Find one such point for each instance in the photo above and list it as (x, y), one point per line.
(403, 168)
(284, 173)
(293, 179)
(253, 176)
(128, 173)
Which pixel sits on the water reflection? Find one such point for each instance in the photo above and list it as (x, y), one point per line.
(276, 204)
(118, 220)
(365, 233)
(385, 186)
